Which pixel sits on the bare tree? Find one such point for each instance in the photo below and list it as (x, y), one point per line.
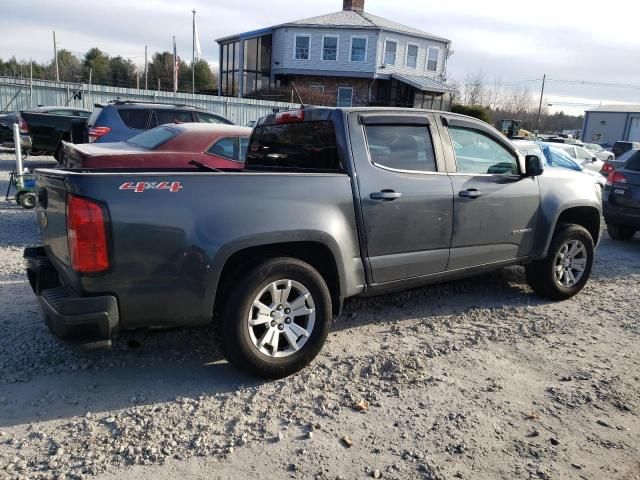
(473, 89)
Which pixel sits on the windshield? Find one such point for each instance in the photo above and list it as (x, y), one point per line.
(153, 138)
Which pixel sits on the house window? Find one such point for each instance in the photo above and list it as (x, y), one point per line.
(359, 49)
(330, 48)
(433, 54)
(345, 97)
(302, 47)
(411, 60)
(316, 88)
(390, 47)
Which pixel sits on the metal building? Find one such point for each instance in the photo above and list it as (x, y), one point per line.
(611, 123)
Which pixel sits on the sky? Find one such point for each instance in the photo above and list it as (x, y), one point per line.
(515, 42)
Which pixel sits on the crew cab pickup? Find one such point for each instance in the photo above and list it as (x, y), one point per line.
(333, 203)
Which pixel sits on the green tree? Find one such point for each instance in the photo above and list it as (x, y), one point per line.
(69, 67)
(98, 61)
(122, 72)
(477, 111)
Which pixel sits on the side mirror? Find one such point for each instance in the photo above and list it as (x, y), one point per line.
(533, 166)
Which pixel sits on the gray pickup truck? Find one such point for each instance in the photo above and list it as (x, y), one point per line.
(333, 203)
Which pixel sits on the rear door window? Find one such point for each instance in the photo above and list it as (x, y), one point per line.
(211, 118)
(135, 117)
(232, 148)
(634, 162)
(401, 147)
(173, 116)
(300, 146)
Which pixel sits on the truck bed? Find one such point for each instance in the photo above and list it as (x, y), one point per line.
(170, 232)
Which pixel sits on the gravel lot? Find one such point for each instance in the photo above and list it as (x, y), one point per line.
(471, 379)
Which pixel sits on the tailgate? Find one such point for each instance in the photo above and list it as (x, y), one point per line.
(51, 191)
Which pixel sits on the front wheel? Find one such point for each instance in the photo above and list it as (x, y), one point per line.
(620, 232)
(275, 318)
(566, 268)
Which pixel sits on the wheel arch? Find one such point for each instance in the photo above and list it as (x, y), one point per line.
(583, 215)
(319, 253)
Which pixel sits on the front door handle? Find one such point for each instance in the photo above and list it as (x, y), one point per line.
(387, 195)
(470, 193)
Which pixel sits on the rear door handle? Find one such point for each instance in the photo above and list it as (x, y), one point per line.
(385, 195)
(470, 193)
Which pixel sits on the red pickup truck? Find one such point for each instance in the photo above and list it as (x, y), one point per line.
(172, 145)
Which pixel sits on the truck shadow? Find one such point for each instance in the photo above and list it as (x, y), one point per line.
(43, 379)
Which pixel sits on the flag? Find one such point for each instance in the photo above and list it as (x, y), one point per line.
(198, 50)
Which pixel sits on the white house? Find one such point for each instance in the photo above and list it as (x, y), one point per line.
(352, 57)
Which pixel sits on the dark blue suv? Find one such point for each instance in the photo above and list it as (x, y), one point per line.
(122, 119)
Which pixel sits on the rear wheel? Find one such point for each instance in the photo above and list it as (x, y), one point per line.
(275, 318)
(620, 232)
(567, 266)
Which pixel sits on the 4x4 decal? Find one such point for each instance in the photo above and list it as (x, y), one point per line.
(139, 187)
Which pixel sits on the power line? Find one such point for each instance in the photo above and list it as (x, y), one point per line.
(594, 84)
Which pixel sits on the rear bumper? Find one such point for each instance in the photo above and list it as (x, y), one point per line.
(616, 215)
(78, 319)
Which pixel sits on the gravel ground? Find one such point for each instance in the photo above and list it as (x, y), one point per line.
(470, 379)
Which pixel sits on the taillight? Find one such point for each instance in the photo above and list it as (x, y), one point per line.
(96, 132)
(607, 168)
(22, 125)
(87, 235)
(293, 116)
(616, 177)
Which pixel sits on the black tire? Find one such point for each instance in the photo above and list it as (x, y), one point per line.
(235, 338)
(18, 198)
(620, 232)
(541, 273)
(28, 200)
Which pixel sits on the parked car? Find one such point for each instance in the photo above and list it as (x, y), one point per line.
(621, 147)
(621, 199)
(43, 129)
(583, 156)
(599, 152)
(122, 119)
(618, 162)
(275, 249)
(557, 158)
(167, 146)
(6, 128)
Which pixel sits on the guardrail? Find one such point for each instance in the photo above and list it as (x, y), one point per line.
(22, 93)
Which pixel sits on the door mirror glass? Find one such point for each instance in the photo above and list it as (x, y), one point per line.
(533, 166)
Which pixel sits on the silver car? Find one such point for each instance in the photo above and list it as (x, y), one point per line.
(581, 155)
(598, 151)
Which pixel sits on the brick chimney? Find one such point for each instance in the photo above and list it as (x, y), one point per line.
(355, 5)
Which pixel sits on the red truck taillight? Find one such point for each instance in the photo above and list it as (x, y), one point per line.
(87, 235)
(96, 132)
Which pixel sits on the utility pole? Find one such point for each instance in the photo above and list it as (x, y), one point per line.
(146, 75)
(55, 56)
(193, 54)
(544, 78)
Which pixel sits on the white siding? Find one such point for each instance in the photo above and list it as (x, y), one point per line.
(283, 41)
(423, 45)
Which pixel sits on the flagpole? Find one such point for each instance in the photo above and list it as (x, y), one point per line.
(193, 54)
(175, 64)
